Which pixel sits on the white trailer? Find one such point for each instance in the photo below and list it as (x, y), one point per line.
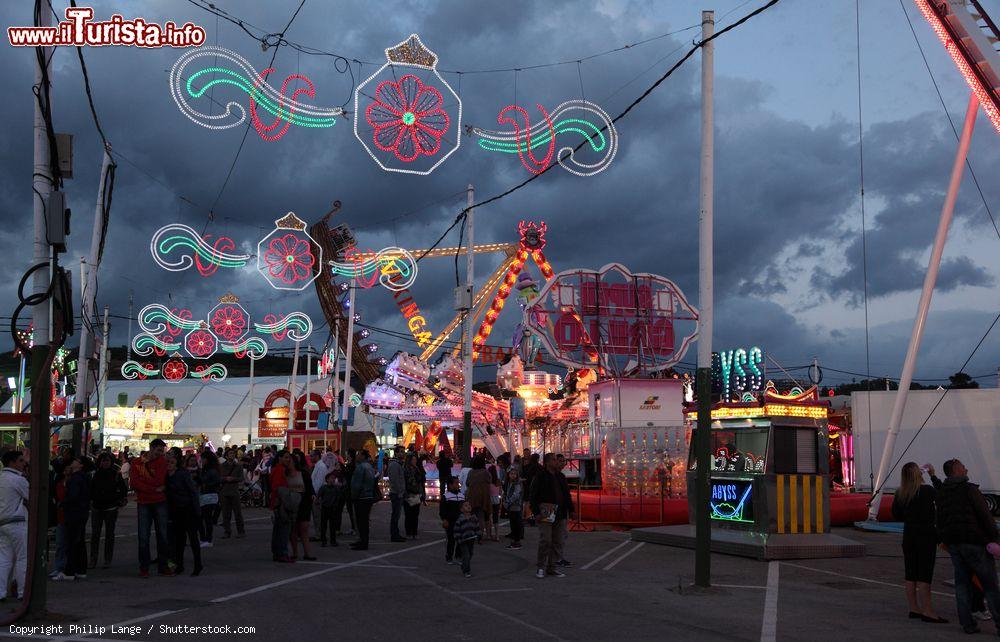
(966, 426)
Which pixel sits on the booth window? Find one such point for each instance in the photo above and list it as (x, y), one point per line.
(794, 450)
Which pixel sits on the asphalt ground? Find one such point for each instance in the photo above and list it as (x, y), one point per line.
(615, 589)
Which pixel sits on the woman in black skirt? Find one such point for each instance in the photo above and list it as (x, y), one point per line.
(913, 505)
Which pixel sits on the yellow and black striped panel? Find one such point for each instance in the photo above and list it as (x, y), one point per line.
(800, 504)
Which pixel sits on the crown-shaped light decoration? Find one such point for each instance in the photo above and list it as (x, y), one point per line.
(229, 297)
(412, 52)
(290, 222)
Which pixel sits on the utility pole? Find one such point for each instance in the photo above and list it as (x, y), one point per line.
(348, 353)
(702, 445)
(308, 374)
(128, 339)
(88, 294)
(465, 454)
(251, 413)
(930, 279)
(42, 180)
(102, 375)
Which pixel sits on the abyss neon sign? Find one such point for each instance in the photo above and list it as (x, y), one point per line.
(732, 501)
(737, 371)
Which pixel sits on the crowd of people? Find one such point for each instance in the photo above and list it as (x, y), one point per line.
(953, 515)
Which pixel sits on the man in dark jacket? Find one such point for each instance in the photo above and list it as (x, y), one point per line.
(965, 525)
(231, 472)
(108, 493)
(552, 503)
(449, 510)
(444, 464)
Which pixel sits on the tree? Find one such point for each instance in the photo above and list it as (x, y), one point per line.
(960, 380)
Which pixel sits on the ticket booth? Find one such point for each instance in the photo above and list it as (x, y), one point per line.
(309, 440)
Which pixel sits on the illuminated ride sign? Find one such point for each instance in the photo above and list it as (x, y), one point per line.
(624, 322)
(738, 371)
(732, 500)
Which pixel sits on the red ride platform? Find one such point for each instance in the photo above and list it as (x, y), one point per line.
(600, 507)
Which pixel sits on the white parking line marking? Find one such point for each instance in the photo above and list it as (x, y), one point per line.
(603, 555)
(859, 579)
(739, 586)
(769, 627)
(624, 555)
(506, 590)
(486, 607)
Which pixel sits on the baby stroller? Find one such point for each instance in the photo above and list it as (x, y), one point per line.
(252, 494)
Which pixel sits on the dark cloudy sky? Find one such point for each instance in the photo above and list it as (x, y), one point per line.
(788, 245)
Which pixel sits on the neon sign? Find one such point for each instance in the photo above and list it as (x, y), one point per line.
(732, 500)
(738, 371)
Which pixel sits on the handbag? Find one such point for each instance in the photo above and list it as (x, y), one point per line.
(207, 499)
(413, 499)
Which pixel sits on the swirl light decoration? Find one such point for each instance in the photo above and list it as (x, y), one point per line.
(206, 257)
(146, 344)
(214, 372)
(580, 117)
(392, 267)
(230, 68)
(136, 370)
(156, 319)
(297, 326)
(407, 126)
(252, 347)
(288, 257)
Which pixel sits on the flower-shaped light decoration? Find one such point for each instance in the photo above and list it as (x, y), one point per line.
(288, 257)
(201, 343)
(228, 320)
(174, 370)
(412, 117)
(407, 118)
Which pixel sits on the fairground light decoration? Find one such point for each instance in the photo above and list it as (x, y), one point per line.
(288, 257)
(535, 145)
(531, 244)
(392, 267)
(228, 68)
(411, 116)
(612, 319)
(194, 250)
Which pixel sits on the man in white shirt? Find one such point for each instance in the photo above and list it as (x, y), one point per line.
(13, 522)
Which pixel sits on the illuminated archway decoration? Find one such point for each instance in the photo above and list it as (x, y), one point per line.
(392, 267)
(531, 245)
(289, 257)
(214, 372)
(136, 370)
(412, 117)
(297, 326)
(145, 345)
(205, 256)
(581, 118)
(229, 321)
(156, 319)
(229, 68)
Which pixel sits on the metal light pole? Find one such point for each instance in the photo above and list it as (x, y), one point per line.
(348, 353)
(308, 374)
(702, 440)
(465, 453)
(102, 374)
(291, 388)
(88, 294)
(250, 418)
(910, 362)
